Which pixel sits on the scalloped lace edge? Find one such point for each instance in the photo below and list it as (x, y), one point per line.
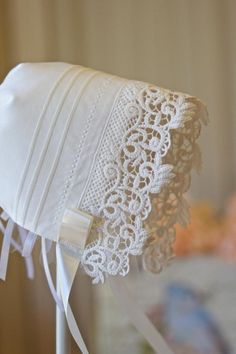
(139, 168)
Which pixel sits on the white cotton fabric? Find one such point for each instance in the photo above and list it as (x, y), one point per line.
(120, 150)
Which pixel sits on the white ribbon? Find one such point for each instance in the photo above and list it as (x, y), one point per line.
(6, 245)
(48, 275)
(74, 232)
(76, 226)
(29, 244)
(16, 247)
(137, 316)
(27, 254)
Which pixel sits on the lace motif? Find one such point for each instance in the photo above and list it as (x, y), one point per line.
(145, 158)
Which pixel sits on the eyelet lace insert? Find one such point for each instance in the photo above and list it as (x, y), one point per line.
(145, 158)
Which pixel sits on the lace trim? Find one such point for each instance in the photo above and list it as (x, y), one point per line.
(147, 153)
(169, 207)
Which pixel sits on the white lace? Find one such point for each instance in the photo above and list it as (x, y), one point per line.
(136, 186)
(149, 141)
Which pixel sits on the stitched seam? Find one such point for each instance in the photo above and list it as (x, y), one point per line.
(33, 141)
(73, 169)
(35, 176)
(99, 144)
(60, 149)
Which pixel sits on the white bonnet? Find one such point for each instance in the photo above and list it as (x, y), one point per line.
(96, 165)
(120, 150)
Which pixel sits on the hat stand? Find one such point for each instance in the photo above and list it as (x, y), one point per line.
(63, 337)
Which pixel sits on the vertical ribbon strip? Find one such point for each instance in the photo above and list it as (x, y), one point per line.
(6, 245)
(76, 226)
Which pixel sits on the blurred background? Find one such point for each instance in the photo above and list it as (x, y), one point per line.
(183, 45)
